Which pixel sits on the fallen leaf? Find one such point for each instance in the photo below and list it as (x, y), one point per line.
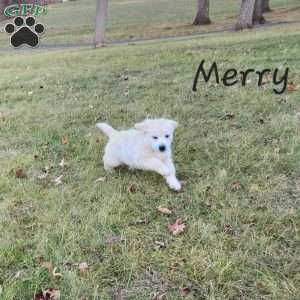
(117, 295)
(20, 173)
(51, 294)
(185, 291)
(114, 239)
(62, 163)
(254, 188)
(56, 274)
(159, 245)
(58, 180)
(160, 296)
(164, 210)
(132, 188)
(100, 179)
(30, 92)
(235, 186)
(177, 228)
(297, 116)
(228, 229)
(228, 116)
(39, 296)
(266, 79)
(47, 265)
(83, 268)
(44, 174)
(292, 87)
(144, 221)
(65, 140)
(17, 276)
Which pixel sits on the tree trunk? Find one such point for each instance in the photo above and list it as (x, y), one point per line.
(246, 15)
(202, 16)
(266, 6)
(101, 15)
(258, 17)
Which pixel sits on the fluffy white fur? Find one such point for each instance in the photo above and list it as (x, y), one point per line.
(146, 147)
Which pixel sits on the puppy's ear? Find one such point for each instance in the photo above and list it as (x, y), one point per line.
(173, 124)
(142, 126)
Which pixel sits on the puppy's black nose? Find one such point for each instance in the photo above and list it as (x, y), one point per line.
(162, 148)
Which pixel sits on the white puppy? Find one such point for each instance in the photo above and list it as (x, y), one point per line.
(146, 147)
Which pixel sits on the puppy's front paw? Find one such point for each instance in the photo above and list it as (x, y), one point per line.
(173, 183)
(108, 169)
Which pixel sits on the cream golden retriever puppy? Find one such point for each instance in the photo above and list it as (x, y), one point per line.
(146, 147)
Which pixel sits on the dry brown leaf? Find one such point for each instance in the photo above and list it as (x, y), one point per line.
(48, 294)
(83, 268)
(132, 188)
(47, 265)
(39, 296)
(267, 79)
(185, 291)
(235, 186)
(65, 140)
(177, 228)
(117, 295)
(228, 229)
(52, 294)
(291, 87)
(164, 210)
(114, 239)
(20, 173)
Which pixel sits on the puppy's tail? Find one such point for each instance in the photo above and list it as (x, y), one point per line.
(106, 129)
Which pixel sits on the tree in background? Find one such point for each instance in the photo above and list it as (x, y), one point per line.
(266, 6)
(251, 13)
(258, 17)
(202, 16)
(246, 15)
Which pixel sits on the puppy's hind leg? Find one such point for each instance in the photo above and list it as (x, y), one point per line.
(110, 162)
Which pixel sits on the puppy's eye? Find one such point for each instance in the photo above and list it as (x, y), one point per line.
(167, 136)
(155, 137)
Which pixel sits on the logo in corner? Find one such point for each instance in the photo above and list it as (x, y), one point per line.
(24, 31)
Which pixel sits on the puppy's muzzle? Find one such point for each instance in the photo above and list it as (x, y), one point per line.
(162, 148)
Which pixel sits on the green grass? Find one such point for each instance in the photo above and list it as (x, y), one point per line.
(240, 244)
(73, 22)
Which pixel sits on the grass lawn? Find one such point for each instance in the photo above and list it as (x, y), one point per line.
(237, 149)
(73, 22)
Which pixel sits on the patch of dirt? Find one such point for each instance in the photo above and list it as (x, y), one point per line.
(150, 285)
(5, 113)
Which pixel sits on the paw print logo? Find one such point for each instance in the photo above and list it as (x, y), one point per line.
(24, 32)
